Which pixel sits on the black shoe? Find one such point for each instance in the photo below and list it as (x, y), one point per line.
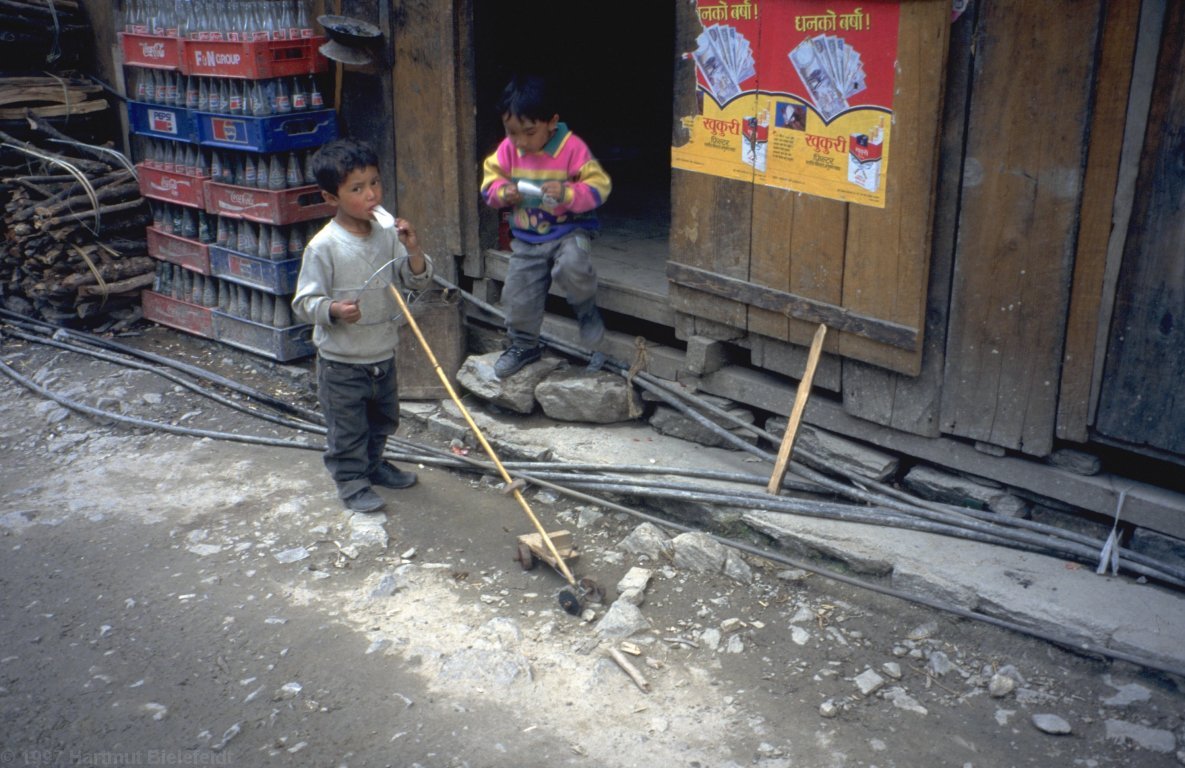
(389, 476)
(513, 359)
(592, 327)
(365, 500)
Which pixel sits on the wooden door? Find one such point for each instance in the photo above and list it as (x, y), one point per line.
(1142, 400)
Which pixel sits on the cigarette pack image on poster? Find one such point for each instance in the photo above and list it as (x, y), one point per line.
(864, 159)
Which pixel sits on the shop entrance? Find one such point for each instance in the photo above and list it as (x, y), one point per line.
(615, 62)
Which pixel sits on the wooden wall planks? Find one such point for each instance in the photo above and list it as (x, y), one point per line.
(1022, 184)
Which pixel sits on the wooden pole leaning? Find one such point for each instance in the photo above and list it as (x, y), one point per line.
(415, 328)
(800, 398)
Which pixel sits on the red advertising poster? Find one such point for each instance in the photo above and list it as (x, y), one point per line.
(796, 94)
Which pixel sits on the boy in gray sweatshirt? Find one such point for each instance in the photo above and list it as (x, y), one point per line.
(344, 291)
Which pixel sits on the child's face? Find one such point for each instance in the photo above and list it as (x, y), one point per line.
(357, 197)
(529, 136)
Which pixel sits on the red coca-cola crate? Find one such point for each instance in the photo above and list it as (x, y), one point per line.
(181, 251)
(155, 51)
(172, 187)
(257, 60)
(266, 206)
(175, 313)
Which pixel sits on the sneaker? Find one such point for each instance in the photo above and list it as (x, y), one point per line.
(365, 500)
(513, 359)
(592, 327)
(389, 476)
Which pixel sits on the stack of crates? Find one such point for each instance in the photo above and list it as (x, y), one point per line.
(223, 131)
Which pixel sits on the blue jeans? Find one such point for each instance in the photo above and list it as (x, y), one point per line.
(533, 267)
(361, 408)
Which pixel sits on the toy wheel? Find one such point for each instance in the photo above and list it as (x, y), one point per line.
(569, 602)
(593, 591)
(525, 557)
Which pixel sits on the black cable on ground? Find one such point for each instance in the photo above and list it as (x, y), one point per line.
(953, 516)
(1079, 646)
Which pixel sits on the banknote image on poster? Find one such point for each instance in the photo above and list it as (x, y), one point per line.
(725, 59)
(831, 70)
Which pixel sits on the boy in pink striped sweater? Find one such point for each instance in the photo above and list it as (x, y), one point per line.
(554, 185)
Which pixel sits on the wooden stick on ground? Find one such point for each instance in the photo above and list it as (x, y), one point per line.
(628, 667)
(800, 398)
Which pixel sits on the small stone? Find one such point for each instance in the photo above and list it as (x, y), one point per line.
(902, 700)
(923, 631)
(793, 575)
(892, 669)
(828, 709)
(939, 664)
(1000, 686)
(1051, 724)
(868, 682)
(292, 555)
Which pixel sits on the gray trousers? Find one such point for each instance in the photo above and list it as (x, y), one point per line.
(533, 268)
(361, 408)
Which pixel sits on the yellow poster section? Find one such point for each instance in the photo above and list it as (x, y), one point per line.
(778, 141)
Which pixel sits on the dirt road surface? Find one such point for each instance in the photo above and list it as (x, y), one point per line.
(175, 600)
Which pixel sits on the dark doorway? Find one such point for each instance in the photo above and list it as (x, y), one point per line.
(614, 61)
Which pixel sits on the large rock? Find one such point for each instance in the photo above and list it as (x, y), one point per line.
(837, 451)
(930, 483)
(515, 393)
(597, 397)
(674, 423)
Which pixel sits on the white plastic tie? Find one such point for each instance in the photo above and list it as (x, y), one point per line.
(1110, 552)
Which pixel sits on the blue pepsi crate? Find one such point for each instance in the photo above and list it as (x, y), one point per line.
(162, 122)
(280, 344)
(278, 277)
(273, 133)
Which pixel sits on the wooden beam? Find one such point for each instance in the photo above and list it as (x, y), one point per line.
(838, 318)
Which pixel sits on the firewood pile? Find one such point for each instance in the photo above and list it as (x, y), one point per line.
(74, 249)
(49, 96)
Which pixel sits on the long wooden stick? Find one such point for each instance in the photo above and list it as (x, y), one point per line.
(800, 398)
(411, 322)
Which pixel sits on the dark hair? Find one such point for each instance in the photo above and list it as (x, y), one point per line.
(528, 96)
(334, 161)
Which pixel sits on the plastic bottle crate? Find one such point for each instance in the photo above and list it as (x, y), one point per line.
(257, 60)
(171, 187)
(280, 344)
(278, 277)
(272, 133)
(179, 314)
(162, 122)
(155, 51)
(265, 206)
(182, 251)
